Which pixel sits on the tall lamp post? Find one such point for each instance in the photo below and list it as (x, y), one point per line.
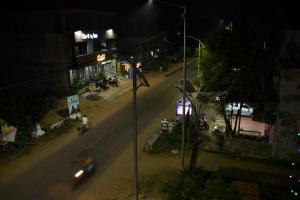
(184, 77)
(143, 82)
(199, 50)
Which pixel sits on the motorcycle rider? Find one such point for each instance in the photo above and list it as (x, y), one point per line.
(88, 162)
(85, 122)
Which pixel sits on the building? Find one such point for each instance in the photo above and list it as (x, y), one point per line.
(46, 52)
(287, 127)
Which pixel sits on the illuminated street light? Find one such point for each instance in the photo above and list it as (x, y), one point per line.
(184, 75)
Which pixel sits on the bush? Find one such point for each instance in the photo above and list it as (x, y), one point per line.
(219, 190)
(97, 76)
(168, 141)
(198, 185)
(185, 186)
(78, 84)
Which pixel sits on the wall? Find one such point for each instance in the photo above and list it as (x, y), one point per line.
(286, 141)
(39, 62)
(241, 147)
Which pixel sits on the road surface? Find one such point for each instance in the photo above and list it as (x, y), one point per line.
(51, 178)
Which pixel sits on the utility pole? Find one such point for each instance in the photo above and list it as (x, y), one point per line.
(184, 92)
(184, 77)
(144, 82)
(134, 122)
(199, 54)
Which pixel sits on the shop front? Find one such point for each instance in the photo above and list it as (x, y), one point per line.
(85, 74)
(92, 57)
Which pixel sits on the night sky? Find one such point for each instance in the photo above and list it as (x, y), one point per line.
(140, 17)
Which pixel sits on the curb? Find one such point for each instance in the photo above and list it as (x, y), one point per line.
(173, 72)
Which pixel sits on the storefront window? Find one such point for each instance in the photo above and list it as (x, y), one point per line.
(110, 67)
(78, 79)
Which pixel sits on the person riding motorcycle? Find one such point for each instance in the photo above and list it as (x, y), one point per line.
(87, 168)
(87, 162)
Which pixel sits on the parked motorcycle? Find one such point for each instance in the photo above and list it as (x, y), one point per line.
(113, 81)
(203, 122)
(102, 84)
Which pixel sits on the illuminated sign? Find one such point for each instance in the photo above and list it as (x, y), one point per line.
(89, 36)
(188, 107)
(100, 57)
(82, 36)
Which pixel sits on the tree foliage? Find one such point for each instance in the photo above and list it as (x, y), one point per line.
(239, 61)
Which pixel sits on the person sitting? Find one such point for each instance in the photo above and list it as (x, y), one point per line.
(88, 162)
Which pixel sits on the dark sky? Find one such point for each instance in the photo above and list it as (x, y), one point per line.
(137, 14)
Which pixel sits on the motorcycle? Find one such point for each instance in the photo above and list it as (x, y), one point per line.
(83, 173)
(203, 122)
(113, 81)
(102, 84)
(82, 130)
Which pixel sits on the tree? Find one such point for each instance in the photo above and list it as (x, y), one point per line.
(240, 61)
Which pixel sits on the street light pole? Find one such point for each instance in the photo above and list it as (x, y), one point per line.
(184, 92)
(199, 51)
(134, 119)
(135, 73)
(199, 54)
(184, 77)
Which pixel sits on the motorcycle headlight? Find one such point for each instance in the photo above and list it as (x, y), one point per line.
(79, 173)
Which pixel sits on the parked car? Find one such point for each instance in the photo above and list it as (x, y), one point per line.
(163, 68)
(247, 110)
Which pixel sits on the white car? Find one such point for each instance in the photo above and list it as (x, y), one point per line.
(247, 110)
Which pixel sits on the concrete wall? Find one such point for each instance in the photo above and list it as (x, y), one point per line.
(286, 141)
(241, 147)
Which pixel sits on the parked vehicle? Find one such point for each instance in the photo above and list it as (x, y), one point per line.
(163, 68)
(247, 110)
(102, 84)
(113, 81)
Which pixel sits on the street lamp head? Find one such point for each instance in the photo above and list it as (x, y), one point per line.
(151, 2)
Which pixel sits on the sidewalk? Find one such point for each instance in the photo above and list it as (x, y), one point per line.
(97, 99)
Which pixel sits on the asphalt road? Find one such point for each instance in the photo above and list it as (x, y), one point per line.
(52, 177)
